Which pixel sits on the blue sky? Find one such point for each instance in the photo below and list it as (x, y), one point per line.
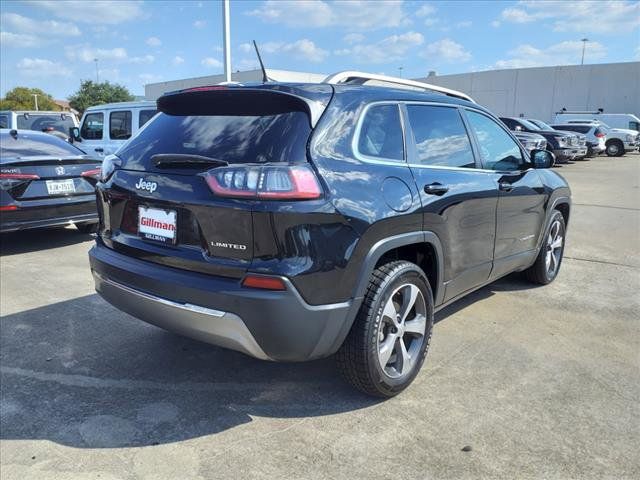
(52, 44)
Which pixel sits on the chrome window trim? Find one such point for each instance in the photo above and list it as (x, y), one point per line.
(356, 137)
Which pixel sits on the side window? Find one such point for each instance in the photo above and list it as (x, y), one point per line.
(509, 123)
(92, 126)
(440, 136)
(144, 116)
(497, 149)
(120, 125)
(381, 133)
(4, 121)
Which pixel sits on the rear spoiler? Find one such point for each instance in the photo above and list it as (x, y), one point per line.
(238, 100)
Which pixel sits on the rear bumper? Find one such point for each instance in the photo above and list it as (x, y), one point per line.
(264, 324)
(48, 214)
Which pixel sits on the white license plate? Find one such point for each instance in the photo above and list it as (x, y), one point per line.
(156, 224)
(60, 187)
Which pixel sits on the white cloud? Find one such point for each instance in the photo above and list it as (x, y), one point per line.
(177, 60)
(245, 47)
(391, 48)
(425, 10)
(153, 42)
(143, 59)
(38, 67)
(612, 16)
(199, 24)
(446, 50)
(495, 23)
(97, 12)
(303, 49)
(88, 54)
(49, 28)
(563, 53)
(354, 14)
(211, 63)
(149, 77)
(352, 38)
(8, 39)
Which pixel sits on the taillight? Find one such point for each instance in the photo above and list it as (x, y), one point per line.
(93, 173)
(288, 182)
(10, 180)
(600, 135)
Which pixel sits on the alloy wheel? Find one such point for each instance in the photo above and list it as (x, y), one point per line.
(553, 247)
(402, 330)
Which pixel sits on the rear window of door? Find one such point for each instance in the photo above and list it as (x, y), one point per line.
(120, 125)
(144, 116)
(92, 126)
(498, 150)
(380, 136)
(4, 121)
(440, 136)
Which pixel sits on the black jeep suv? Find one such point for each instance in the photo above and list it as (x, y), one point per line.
(296, 221)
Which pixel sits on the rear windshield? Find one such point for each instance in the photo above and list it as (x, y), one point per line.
(25, 145)
(235, 139)
(45, 123)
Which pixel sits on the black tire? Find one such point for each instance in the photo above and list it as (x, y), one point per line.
(615, 148)
(540, 272)
(87, 227)
(358, 358)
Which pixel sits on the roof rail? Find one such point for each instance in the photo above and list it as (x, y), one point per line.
(359, 78)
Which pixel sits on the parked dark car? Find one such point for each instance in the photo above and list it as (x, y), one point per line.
(44, 182)
(582, 139)
(565, 146)
(296, 221)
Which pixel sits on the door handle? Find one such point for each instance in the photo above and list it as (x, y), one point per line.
(505, 186)
(435, 188)
(99, 149)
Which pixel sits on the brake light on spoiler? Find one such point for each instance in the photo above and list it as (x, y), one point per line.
(269, 182)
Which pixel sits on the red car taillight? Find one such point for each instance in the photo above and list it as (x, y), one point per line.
(10, 180)
(288, 182)
(93, 173)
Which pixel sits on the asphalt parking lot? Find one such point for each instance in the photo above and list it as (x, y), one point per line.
(539, 382)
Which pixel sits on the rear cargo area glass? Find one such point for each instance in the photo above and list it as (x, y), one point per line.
(233, 139)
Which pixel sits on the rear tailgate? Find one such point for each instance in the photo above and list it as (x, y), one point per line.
(166, 212)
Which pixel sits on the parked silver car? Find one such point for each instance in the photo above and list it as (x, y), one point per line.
(595, 135)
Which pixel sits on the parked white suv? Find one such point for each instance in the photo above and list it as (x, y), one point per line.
(56, 123)
(105, 128)
(626, 121)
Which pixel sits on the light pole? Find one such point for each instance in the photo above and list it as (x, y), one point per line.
(35, 99)
(400, 70)
(226, 37)
(584, 46)
(97, 76)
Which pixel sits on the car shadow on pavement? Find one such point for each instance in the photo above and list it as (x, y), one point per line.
(81, 373)
(14, 243)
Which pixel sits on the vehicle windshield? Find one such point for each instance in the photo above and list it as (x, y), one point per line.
(26, 145)
(542, 125)
(60, 122)
(529, 125)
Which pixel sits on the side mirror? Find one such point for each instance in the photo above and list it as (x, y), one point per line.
(518, 128)
(542, 159)
(74, 134)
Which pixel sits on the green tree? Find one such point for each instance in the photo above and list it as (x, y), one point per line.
(91, 93)
(21, 98)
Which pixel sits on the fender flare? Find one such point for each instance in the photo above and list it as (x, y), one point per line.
(563, 200)
(375, 253)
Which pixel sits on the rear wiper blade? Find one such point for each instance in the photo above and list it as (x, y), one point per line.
(185, 160)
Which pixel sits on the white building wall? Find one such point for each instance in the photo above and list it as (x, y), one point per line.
(540, 92)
